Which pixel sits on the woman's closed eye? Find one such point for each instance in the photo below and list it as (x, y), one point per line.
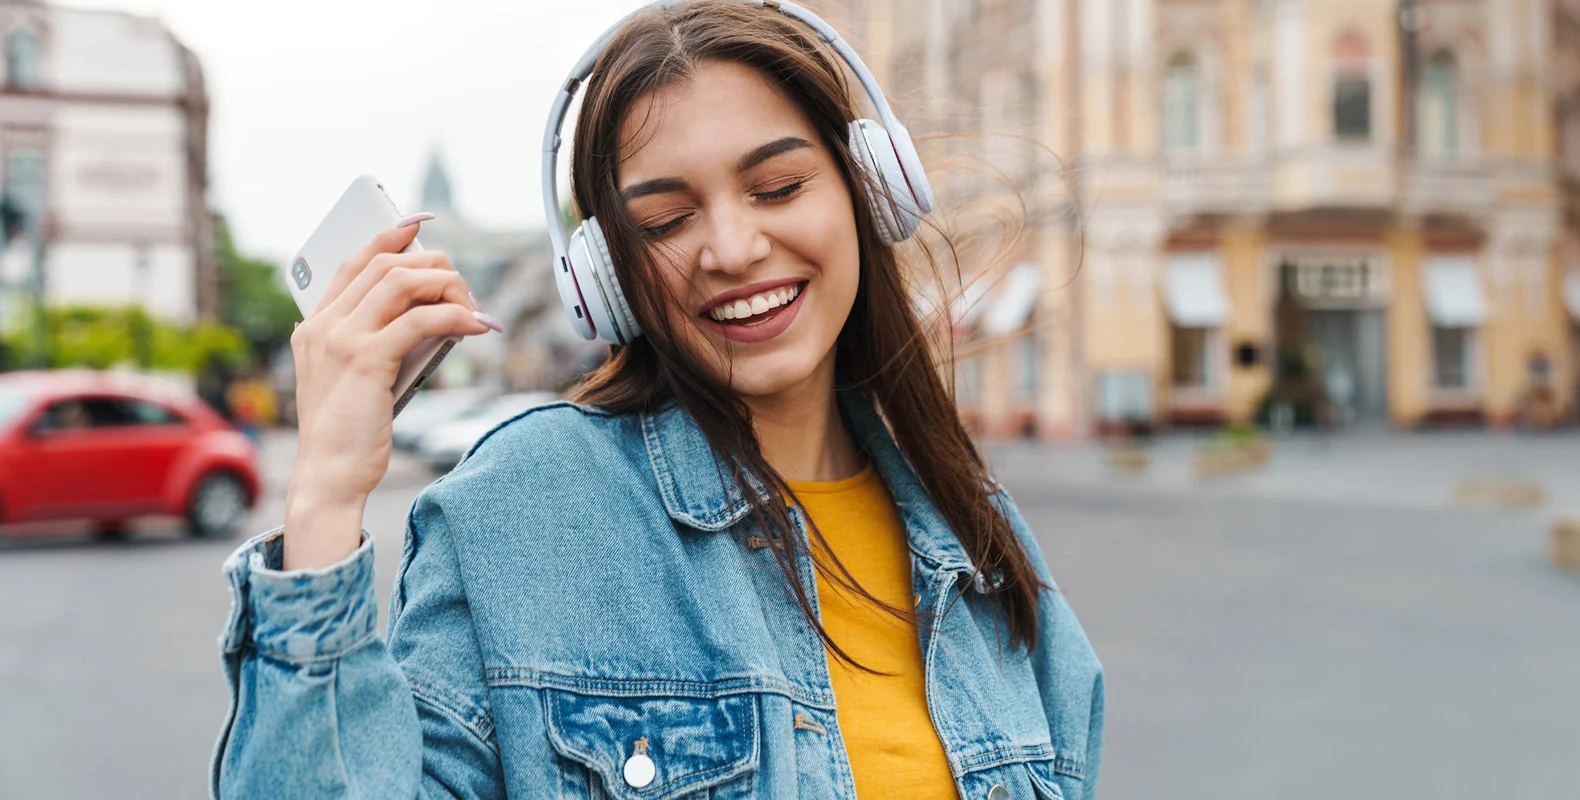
(782, 193)
(771, 196)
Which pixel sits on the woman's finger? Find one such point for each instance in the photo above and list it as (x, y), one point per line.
(427, 322)
(393, 240)
(380, 266)
(403, 287)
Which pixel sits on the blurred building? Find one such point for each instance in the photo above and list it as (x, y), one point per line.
(509, 271)
(103, 164)
(1292, 210)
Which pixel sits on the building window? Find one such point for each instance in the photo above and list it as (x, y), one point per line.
(1193, 357)
(1030, 367)
(1437, 108)
(1352, 87)
(1124, 396)
(21, 59)
(1352, 107)
(1181, 106)
(23, 195)
(1451, 357)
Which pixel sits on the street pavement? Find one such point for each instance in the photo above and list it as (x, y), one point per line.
(1330, 625)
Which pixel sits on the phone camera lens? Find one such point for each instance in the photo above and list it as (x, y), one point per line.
(301, 273)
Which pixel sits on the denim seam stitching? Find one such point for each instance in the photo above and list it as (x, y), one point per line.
(317, 658)
(476, 720)
(1008, 755)
(620, 687)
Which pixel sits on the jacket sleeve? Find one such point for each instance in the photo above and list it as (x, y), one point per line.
(321, 707)
(1069, 675)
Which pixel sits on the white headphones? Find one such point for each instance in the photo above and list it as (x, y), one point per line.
(585, 273)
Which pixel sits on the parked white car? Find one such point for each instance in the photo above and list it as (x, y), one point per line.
(430, 408)
(443, 446)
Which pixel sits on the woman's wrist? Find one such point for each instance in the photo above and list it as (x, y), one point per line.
(320, 530)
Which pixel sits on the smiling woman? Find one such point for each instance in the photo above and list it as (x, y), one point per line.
(757, 557)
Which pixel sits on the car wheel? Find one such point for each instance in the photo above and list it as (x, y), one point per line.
(111, 531)
(218, 506)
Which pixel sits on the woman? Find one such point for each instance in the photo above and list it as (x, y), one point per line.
(758, 557)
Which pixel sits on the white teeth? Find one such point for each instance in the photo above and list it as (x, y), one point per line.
(755, 305)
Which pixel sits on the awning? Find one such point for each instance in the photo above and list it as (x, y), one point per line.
(1013, 302)
(1454, 297)
(1572, 294)
(1193, 291)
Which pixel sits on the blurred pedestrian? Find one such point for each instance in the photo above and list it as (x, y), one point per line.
(252, 405)
(213, 386)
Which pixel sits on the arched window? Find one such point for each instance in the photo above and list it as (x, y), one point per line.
(1181, 105)
(1352, 87)
(1437, 108)
(21, 59)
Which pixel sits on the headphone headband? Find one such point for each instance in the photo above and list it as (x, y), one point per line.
(584, 68)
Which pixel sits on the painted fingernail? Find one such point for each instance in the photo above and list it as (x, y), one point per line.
(475, 304)
(420, 216)
(495, 324)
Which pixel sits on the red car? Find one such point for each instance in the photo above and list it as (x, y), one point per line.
(107, 447)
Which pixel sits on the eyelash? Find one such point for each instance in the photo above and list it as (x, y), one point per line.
(774, 196)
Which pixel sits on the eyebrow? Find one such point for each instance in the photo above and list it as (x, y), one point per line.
(757, 156)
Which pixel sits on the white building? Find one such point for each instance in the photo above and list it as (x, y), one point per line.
(103, 150)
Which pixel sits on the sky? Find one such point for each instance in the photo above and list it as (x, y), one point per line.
(308, 94)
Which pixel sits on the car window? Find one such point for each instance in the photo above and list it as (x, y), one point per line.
(104, 412)
(12, 404)
(137, 412)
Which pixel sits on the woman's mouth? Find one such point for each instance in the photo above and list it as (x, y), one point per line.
(759, 317)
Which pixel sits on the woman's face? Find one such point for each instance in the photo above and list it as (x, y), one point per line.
(749, 222)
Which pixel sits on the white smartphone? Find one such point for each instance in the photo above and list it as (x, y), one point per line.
(363, 212)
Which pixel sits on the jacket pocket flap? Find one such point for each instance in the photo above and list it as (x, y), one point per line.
(694, 743)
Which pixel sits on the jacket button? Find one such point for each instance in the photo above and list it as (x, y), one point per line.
(639, 771)
(998, 792)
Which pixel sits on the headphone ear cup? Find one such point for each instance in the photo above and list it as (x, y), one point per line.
(586, 248)
(911, 166)
(876, 156)
(625, 328)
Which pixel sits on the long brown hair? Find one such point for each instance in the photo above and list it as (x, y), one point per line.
(882, 352)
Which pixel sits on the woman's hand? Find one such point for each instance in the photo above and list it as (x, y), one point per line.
(380, 305)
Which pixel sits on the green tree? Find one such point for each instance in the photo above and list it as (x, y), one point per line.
(255, 300)
(101, 338)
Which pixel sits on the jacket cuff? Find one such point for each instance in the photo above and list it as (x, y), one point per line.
(303, 615)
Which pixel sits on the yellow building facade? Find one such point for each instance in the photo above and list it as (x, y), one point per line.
(1291, 211)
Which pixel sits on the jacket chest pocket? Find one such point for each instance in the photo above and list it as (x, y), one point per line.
(655, 747)
(1025, 780)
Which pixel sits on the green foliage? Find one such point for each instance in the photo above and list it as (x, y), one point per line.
(255, 301)
(107, 337)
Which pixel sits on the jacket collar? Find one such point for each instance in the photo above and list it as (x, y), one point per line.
(697, 493)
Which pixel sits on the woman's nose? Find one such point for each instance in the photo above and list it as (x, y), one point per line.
(735, 242)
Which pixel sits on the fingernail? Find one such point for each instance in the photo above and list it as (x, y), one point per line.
(495, 324)
(420, 216)
(475, 304)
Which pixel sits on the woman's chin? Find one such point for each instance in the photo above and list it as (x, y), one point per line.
(772, 374)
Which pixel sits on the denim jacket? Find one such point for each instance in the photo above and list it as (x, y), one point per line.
(581, 589)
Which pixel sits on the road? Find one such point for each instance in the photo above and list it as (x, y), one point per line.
(1331, 626)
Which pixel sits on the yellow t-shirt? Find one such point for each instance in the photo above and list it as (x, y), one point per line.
(894, 751)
